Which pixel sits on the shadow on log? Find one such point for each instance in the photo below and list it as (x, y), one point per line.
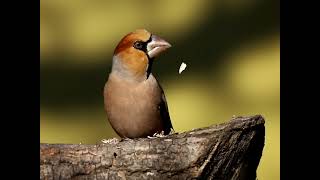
(227, 151)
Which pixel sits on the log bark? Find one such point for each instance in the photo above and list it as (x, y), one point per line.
(227, 151)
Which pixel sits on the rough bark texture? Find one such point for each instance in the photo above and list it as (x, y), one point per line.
(227, 151)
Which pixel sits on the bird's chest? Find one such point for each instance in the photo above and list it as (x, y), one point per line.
(127, 100)
(133, 108)
(137, 101)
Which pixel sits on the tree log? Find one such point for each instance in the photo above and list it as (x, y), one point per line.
(227, 151)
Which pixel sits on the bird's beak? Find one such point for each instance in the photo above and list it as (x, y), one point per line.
(156, 46)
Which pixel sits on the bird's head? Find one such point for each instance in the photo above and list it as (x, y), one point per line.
(134, 55)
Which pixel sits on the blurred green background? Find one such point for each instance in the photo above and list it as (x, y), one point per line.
(231, 47)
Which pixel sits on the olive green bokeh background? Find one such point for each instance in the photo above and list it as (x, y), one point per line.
(231, 47)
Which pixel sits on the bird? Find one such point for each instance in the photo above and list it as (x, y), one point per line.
(134, 101)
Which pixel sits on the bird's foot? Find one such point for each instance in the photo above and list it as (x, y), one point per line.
(110, 141)
(161, 134)
(155, 135)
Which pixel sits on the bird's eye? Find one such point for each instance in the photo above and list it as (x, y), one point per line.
(138, 45)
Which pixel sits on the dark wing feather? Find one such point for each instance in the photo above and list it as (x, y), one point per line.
(164, 112)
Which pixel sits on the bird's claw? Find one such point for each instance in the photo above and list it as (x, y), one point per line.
(161, 134)
(110, 141)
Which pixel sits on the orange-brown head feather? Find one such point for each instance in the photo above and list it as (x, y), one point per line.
(135, 52)
(128, 40)
(135, 60)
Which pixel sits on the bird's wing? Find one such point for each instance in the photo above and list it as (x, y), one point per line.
(164, 112)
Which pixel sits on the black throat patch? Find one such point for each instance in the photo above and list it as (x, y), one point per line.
(150, 60)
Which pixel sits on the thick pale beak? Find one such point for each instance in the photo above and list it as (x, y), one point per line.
(156, 46)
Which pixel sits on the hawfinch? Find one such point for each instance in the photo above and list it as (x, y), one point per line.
(134, 101)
